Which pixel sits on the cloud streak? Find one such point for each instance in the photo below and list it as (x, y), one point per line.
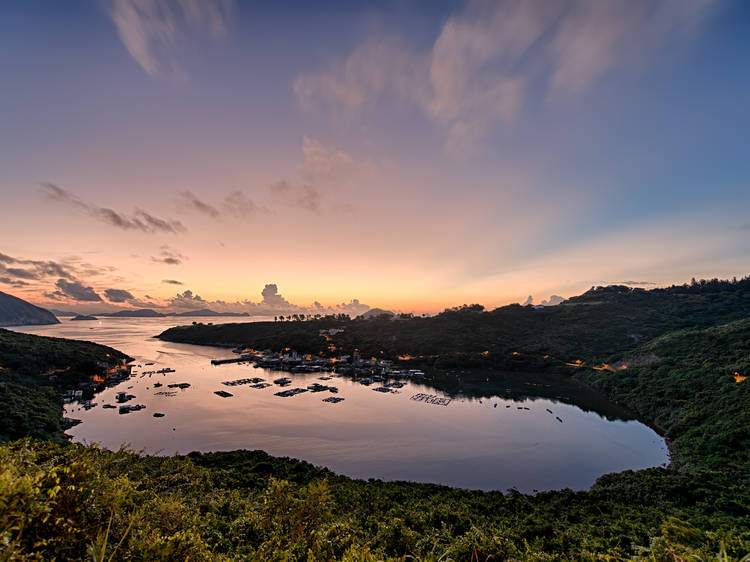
(323, 167)
(480, 68)
(236, 204)
(151, 30)
(140, 220)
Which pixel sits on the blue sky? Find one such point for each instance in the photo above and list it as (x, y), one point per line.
(412, 155)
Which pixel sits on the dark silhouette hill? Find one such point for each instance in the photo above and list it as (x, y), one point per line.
(18, 312)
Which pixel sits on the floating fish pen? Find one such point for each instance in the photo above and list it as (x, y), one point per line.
(333, 399)
(317, 387)
(385, 389)
(254, 380)
(126, 409)
(290, 392)
(283, 381)
(166, 393)
(260, 385)
(431, 399)
(223, 393)
(158, 415)
(395, 384)
(181, 385)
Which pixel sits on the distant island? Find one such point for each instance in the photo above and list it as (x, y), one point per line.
(83, 317)
(148, 313)
(18, 312)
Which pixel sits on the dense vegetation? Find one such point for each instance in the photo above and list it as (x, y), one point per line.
(592, 327)
(33, 371)
(683, 347)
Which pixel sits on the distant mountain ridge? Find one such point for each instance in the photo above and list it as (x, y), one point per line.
(18, 312)
(206, 312)
(137, 313)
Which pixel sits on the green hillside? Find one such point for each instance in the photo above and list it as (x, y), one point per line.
(74, 502)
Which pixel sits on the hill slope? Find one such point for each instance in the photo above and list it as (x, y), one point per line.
(18, 312)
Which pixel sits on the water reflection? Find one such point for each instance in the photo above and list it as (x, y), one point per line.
(528, 432)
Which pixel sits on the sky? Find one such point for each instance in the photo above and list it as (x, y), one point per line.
(330, 156)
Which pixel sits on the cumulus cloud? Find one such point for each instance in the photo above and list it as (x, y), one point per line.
(271, 303)
(169, 256)
(478, 71)
(118, 295)
(187, 299)
(170, 282)
(139, 220)
(554, 300)
(76, 291)
(152, 29)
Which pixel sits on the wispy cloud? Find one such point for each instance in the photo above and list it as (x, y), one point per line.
(172, 282)
(304, 196)
(323, 167)
(240, 205)
(236, 204)
(478, 71)
(169, 256)
(189, 200)
(140, 220)
(151, 30)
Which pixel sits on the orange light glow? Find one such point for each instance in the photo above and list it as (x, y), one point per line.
(405, 357)
(738, 377)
